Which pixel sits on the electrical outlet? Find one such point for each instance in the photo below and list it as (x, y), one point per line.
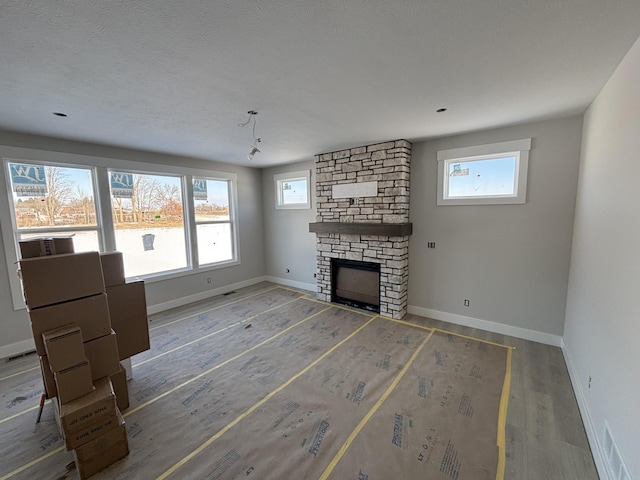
(431, 244)
(208, 279)
(589, 382)
(315, 275)
(466, 302)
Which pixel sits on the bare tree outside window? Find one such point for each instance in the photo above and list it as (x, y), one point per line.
(67, 202)
(149, 222)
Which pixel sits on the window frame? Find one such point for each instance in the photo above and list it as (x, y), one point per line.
(514, 148)
(280, 179)
(231, 193)
(106, 235)
(185, 225)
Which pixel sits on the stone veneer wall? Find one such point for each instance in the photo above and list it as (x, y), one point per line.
(387, 163)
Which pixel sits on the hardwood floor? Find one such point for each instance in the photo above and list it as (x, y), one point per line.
(545, 438)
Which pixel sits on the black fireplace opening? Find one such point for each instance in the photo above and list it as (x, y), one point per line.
(356, 284)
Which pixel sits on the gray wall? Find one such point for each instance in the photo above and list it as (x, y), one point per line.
(602, 331)
(510, 261)
(288, 243)
(14, 325)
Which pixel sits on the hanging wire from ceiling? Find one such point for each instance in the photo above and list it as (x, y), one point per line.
(256, 140)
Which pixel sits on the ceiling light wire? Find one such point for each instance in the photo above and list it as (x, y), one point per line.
(256, 140)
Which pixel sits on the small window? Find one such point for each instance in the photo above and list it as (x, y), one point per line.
(485, 174)
(292, 190)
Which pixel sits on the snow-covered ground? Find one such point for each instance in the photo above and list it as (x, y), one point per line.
(169, 250)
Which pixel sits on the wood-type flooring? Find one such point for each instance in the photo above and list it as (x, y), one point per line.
(544, 435)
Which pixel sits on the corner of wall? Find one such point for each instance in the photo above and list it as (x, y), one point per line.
(596, 448)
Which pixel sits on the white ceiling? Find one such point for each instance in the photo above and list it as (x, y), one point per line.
(177, 76)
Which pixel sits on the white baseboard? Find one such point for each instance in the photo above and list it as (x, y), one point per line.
(18, 348)
(292, 283)
(587, 421)
(178, 302)
(494, 327)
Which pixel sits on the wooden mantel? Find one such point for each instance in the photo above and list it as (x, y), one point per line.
(379, 229)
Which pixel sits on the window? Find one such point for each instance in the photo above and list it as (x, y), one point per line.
(214, 229)
(292, 190)
(168, 222)
(484, 174)
(149, 222)
(54, 200)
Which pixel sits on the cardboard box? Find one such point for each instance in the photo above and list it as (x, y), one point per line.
(91, 314)
(84, 410)
(128, 309)
(64, 347)
(101, 452)
(102, 354)
(47, 378)
(41, 247)
(119, 382)
(73, 382)
(112, 268)
(91, 430)
(59, 278)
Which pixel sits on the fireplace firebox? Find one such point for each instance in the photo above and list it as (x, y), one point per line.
(356, 284)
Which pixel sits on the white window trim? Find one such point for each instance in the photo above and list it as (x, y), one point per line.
(279, 178)
(518, 148)
(233, 222)
(102, 199)
(188, 243)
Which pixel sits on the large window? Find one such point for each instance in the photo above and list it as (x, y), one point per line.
(167, 222)
(54, 200)
(148, 220)
(214, 229)
(484, 174)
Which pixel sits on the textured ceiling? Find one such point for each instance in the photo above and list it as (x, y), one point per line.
(178, 76)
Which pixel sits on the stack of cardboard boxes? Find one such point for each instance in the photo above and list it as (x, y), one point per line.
(85, 319)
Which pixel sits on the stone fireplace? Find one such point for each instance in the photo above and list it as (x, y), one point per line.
(362, 199)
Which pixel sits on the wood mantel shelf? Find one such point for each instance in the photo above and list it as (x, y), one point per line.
(379, 229)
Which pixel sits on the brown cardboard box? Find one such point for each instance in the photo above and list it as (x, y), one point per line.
(64, 347)
(112, 268)
(102, 353)
(91, 430)
(119, 382)
(58, 278)
(73, 382)
(101, 452)
(40, 247)
(47, 378)
(128, 309)
(91, 314)
(84, 410)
